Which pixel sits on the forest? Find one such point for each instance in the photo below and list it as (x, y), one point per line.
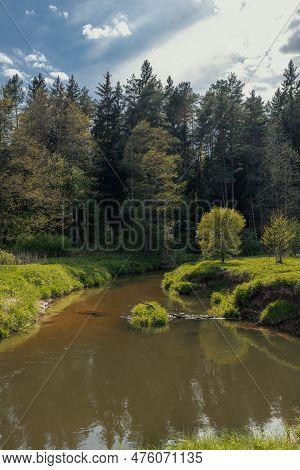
(146, 142)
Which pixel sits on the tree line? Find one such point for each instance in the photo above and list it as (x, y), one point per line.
(146, 140)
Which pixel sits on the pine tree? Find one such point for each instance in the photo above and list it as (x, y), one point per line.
(13, 91)
(250, 183)
(86, 103)
(290, 86)
(219, 132)
(57, 89)
(107, 132)
(73, 90)
(37, 86)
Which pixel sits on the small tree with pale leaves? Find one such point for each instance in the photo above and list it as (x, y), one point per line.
(219, 233)
(279, 236)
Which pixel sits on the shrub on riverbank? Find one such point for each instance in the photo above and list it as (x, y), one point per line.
(149, 315)
(277, 312)
(7, 258)
(23, 286)
(44, 244)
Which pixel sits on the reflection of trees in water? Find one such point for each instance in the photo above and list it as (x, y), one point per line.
(218, 349)
(283, 349)
(140, 388)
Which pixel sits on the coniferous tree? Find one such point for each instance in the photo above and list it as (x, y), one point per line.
(37, 86)
(250, 182)
(86, 103)
(73, 90)
(107, 132)
(13, 91)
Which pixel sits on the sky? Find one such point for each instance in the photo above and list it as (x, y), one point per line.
(199, 41)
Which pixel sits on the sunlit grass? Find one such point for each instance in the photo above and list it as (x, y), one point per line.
(238, 281)
(237, 441)
(149, 316)
(23, 286)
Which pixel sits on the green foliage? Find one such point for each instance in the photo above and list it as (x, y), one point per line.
(22, 286)
(219, 233)
(43, 244)
(149, 315)
(198, 273)
(7, 258)
(279, 236)
(278, 311)
(222, 305)
(183, 287)
(251, 279)
(4, 333)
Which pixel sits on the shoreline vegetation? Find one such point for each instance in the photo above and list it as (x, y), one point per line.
(26, 290)
(226, 440)
(253, 289)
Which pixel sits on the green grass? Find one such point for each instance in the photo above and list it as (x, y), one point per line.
(149, 315)
(277, 312)
(23, 286)
(243, 284)
(238, 441)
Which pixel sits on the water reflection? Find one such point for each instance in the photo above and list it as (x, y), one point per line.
(117, 387)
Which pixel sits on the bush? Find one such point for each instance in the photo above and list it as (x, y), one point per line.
(223, 306)
(4, 333)
(277, 312)
(7, 258)
(149, 315)
(183, 287)
(43, 244)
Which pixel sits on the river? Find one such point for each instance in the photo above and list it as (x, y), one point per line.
(82, 380)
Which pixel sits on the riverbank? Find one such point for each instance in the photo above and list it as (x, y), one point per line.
(250, 289)
(239, 441)
(25, 290)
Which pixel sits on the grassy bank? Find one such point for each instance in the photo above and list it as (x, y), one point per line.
(254, 289)
(237, 441)
(22, 287)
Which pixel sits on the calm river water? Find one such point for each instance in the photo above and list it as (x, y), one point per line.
(82, 380)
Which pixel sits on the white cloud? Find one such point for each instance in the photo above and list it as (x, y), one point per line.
(4, 59)
(19, 53)
(49, 81)
(58, 12)
(37, 60)
(118, 28)
(10, 72)
(62, 75)
(234, 39)
(29, 12)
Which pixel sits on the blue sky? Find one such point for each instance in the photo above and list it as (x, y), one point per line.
(193, 40)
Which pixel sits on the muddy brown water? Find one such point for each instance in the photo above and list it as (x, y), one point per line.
(115, 387)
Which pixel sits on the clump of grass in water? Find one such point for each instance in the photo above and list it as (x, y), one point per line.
(149, 316)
